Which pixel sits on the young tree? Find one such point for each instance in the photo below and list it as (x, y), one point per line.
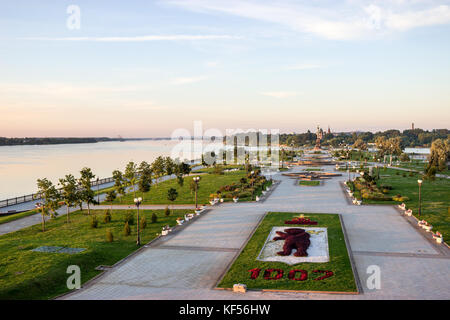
(50, 198)
(145, 177)
(69, 192)
(439, 154)
(158, 166)
(87, 194)
(130, 176)
(119, 183)
(110, 197)
(172, 195)
(169, 166)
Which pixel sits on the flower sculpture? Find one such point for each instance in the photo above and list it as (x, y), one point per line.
(294, 238)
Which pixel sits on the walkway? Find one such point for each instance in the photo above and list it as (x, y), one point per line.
(188, 264)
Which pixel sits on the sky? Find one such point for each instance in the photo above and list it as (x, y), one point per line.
(146, 68)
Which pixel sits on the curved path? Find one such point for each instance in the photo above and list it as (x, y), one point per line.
(188, 264)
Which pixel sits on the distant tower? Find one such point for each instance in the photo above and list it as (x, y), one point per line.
(319, 135)
(412, 126)
(329, 130)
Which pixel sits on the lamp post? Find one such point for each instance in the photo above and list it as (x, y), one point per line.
(196, 179)
(420, 199)
(138, 202)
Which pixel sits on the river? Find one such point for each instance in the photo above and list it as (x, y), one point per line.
(21, 166)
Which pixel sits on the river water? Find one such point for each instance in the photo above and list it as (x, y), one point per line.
(21, 166)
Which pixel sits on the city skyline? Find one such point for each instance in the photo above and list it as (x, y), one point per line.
(146, 69)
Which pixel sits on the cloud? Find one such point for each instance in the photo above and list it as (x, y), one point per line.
(346, 20)
(187, 80)
(280, 94)
(178, 37)
(304, 66)
(211, 64)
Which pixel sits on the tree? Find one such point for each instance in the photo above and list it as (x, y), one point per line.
(172, 195)
(50, 198)
(180, 180)
(145, 177)
(111, 196)
(87, 194)
(404, 157)
(169, 166)
(119, 183)
(360, 144)
(439, 154)
(130, 176)
(69, 192)
(158, 166)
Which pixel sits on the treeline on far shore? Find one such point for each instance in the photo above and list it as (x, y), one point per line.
(41, 141)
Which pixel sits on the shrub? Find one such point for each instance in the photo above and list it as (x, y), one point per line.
(109, 235)
(107, 217)
(144, 222)
(167, 211)
(154, 218)
(94, 221)
(244, 194)
(386, 186)
(129, 218)
(126, 229)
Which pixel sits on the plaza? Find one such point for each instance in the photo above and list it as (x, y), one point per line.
(188, 264)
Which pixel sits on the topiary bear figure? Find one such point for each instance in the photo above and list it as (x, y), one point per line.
(294, 238)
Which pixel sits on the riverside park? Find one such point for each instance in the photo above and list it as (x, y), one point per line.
(320, 226)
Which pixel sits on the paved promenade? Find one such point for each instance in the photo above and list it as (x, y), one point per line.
(188, 264)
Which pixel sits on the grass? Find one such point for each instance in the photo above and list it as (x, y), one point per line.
(25, 274)
(435, 197)
(209, 183)
(309, 183)
(342, 280)
(16, 216)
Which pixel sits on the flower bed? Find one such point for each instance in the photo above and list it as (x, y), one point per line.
(247, 189)
(336, 275)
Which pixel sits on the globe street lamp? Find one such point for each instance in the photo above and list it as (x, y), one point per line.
(196, 180)
(420, 200)
(138, 202)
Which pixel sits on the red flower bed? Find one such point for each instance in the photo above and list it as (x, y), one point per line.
(303, 275)
(268, 274)
(305, 221)
(255, 273)
(328, 274)
(292, 275)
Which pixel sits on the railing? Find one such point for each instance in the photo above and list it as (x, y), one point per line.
(35, 196)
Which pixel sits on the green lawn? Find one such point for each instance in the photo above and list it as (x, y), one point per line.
(209, 183)
(25, 274)
(16, 216)
(342, 280)
(435, 197)
(309, 183)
